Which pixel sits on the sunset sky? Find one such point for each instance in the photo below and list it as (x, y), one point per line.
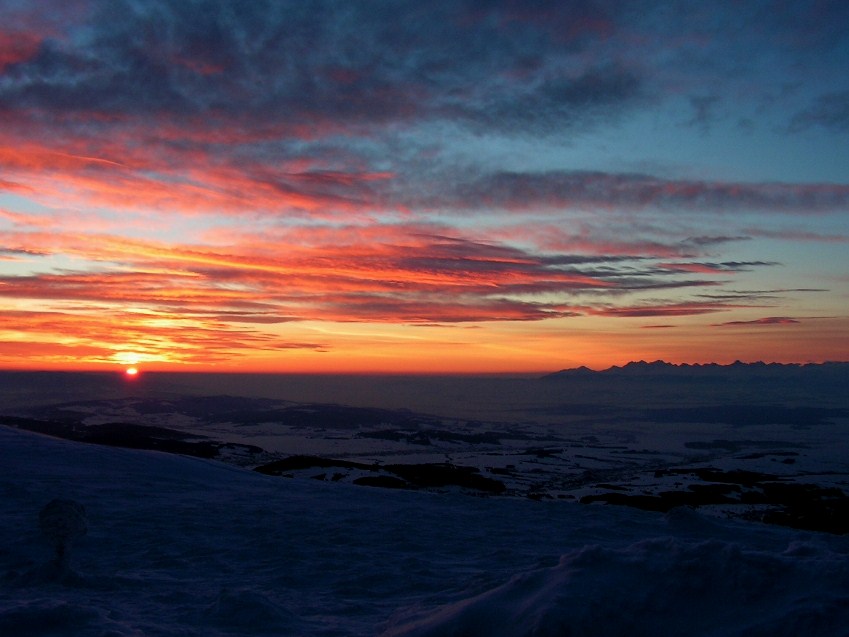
(422, 186)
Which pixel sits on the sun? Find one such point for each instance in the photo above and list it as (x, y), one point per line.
(131, 372)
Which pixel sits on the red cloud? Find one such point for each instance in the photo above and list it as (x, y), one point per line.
(124, 172)
(12, 186)
(17, 47)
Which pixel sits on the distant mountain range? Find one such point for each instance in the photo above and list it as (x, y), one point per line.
(829, 372)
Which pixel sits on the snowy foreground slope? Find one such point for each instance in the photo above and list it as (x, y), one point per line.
(182, 546)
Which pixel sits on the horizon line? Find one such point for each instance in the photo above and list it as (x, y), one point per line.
(122, 369)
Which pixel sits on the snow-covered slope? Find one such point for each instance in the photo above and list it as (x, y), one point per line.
(181, 546)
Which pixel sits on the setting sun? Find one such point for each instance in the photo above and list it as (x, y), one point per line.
(131, 371)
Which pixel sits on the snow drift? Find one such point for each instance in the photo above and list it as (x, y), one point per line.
(659, 586)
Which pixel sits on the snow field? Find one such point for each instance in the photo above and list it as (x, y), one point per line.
(181, 546)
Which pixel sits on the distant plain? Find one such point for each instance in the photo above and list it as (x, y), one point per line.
(754, 441)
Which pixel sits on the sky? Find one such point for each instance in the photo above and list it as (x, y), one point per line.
(422, 186)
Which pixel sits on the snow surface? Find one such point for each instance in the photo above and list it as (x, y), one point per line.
(181, 547)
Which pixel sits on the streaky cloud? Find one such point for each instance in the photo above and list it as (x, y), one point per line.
(558, 190)
(769, 320)
(829, 111)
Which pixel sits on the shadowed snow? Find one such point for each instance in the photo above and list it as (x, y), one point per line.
(188, 546)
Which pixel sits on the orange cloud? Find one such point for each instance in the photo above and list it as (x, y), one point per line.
(106, 334)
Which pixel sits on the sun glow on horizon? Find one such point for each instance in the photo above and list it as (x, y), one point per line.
(131, 372)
